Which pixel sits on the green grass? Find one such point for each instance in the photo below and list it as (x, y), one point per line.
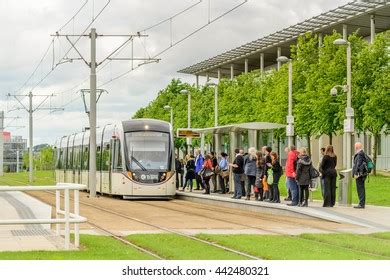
(377, 190)
(274, 247)
(41, 178)
(289, 248)
(171, 246)
(382, 235)
(363, 243)
(93, 248)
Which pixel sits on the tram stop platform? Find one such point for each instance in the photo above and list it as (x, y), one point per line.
(18, 205)
(368, 220)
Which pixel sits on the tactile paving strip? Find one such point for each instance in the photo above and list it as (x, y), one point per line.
(30, 232)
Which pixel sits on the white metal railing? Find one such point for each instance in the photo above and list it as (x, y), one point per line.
(68, 217)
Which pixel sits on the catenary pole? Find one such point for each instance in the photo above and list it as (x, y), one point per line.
(92, 117)
(30, 137)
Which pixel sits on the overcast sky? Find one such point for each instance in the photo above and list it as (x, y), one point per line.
(26, 26)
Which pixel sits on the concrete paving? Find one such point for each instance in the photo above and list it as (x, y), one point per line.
(370, 219)
(18, 205)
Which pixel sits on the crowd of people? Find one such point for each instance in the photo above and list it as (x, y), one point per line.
(257, 174)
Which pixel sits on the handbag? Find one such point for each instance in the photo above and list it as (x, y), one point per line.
(225, 173)
(207, 173)
(265, 184)
(270, 177)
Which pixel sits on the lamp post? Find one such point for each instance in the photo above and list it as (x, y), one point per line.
(349, 112)
(189, 139)
(290, 117)
(169, 108)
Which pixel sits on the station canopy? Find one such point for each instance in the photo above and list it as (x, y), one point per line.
(225, 129)
(356, 15)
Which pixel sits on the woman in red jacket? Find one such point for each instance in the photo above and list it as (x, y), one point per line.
(290, 175)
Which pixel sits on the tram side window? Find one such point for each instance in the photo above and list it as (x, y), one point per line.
(117, 157)
(69, 164)
(60, 162)
(76, 156)
(106, 157)
(98, 158)
(85, 159)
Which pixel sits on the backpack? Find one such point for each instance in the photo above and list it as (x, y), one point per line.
(369, 163)
(313, 173)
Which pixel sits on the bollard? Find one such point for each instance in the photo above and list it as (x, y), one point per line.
(345, 188)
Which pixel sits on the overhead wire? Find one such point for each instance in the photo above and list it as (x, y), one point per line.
(176, 43)
(51, 45)
(104, 65)
(173, 44)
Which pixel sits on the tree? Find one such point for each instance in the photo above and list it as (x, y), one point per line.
(305, 55)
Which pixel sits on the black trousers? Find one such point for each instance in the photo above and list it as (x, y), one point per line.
(199, 182)
(243, 188)
(275, 188)
(361, 190)
(222, 183)
(271, 192)
(303, 194)
(207, 182)
(329, 191)
(177, 180)
(250, 183)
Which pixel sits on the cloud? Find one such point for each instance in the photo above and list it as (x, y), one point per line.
(26, 26)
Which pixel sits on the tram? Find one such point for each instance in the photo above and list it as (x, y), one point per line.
(134, 159)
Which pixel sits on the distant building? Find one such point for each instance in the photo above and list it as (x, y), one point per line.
(14, 148)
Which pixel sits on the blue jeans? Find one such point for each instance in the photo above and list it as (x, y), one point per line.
(293, 187)
(237, 185)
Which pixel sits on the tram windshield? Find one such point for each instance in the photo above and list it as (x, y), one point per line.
(147, 150)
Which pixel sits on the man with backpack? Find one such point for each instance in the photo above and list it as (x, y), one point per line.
(362, 166)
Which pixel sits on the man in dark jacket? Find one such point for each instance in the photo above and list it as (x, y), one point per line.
(360, 172)
(238, 170)
(179, 170)
(214, 161)
(303, 177)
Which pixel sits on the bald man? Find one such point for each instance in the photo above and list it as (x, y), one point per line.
(360, 172)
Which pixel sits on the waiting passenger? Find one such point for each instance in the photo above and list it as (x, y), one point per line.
(243, 176)
(290, 175)
(215, 169)
(238, 171)
(329, 175)
(259, 190)
(207, 172)
(268, 195)
(322, 182)
(224, 172)
(179, 169)
(190, 174)
(250, 171)
(277, 172)
(198, 166)
(303, 177)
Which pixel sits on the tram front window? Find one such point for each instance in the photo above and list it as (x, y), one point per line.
(147, 150)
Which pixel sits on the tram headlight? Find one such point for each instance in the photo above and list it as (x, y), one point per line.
(163, 176)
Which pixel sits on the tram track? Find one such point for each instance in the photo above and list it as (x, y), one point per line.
(164, 229)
